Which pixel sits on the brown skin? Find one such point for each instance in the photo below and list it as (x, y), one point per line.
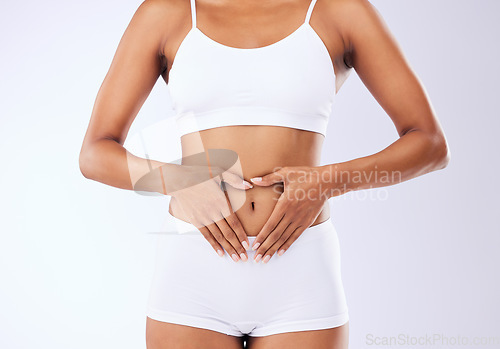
(161, 335)
(356, 37)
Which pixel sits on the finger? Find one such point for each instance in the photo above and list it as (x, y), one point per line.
(279, 242)
(262, 251)
(271, 178)
(235, 181)
(213, 242)
(231, 178)
(229, 236)
(276, 216)
(291, 239)
(232, 238)
(235, 225)
(219, 236)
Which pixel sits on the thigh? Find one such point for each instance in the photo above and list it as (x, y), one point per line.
(164, 335)
(331, 338)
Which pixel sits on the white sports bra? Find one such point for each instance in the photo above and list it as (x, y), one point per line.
(290, 83)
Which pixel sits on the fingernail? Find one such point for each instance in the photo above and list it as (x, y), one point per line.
(220, 253)
(256, 179)
(256, 246)
(245, 183)
(243, 257)
(281, 252)
(245, 245)
(268, 257)
(235, 257)
(257, 258)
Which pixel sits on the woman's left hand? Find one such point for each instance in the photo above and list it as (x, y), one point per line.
(296, 209)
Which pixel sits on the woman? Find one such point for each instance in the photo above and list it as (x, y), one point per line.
(253, 84)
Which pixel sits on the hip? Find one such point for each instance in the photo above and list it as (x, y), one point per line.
(186, 263)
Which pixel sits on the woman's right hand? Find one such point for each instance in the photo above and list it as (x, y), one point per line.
(202, 202)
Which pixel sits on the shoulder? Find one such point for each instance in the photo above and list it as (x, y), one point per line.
(164, 11)
(350, 15)
(161, 10)
(358, 22)
(342, 21)
(358, 17)
(162, 18)
(349, 7)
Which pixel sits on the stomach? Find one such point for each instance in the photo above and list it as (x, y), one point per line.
(260, 150)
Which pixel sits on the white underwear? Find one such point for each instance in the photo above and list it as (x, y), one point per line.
(299, 291)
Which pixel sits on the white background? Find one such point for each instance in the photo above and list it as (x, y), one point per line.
(76, 259)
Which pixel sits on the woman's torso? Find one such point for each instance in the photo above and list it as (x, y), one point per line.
(261, 149)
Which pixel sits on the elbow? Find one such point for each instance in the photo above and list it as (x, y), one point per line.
(442, 153)
(85, 163)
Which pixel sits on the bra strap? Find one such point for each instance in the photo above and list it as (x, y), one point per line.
(309, 11)
(193, 13)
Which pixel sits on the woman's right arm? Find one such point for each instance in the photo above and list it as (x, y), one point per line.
(134, 70)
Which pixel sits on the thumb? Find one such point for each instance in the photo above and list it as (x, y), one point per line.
(271, 178)
(235, 181)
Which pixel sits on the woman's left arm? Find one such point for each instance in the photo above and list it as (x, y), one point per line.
(421, 147)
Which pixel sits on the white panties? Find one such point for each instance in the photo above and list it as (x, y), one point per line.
(298, 291)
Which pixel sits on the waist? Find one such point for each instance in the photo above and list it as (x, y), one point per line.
(322, 223)
(257, 205)
(258, 150)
